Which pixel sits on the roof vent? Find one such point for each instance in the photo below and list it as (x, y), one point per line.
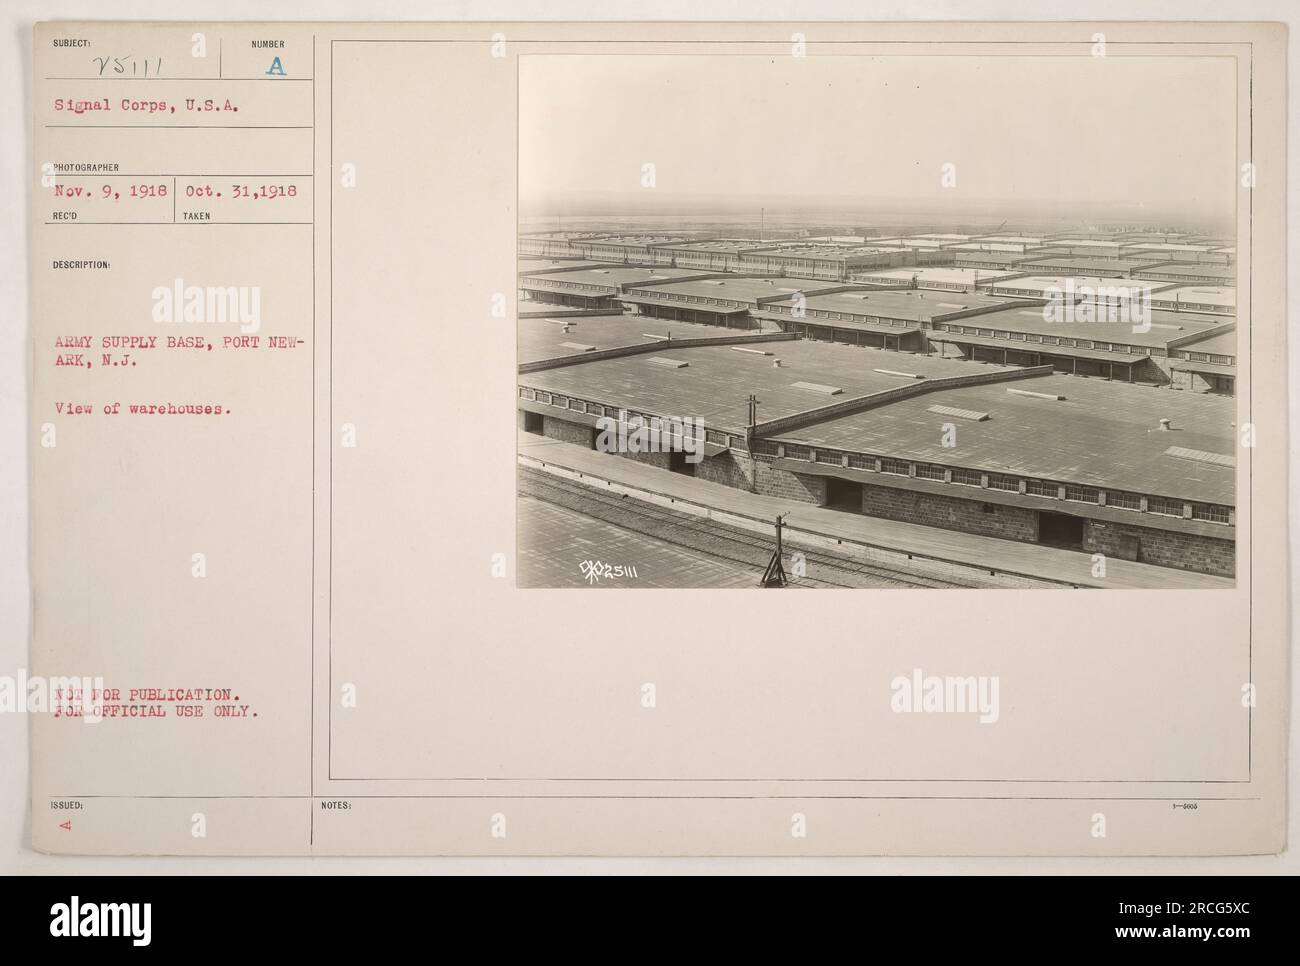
(1166, 424)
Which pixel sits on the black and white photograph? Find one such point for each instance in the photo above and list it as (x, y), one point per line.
(897, 322)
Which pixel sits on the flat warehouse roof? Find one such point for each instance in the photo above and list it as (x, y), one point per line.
(1198, 294)
(726, 247)
(614, 275)
(984, 255)
(638, 239)
(988, 246)
(967, 276)
(1082, 264)
(922, 243)
(1191, 269)
(1223, 344)
(534, 263)
(562, 235)
(1037, 284)
(540, 338)
(737, 288)
(1170, 246)
(1086, 242)
(837, 252)
(1102, 434)
(717, 379)
(909, 305)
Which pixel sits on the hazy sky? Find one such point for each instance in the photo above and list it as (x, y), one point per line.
(1114, 131)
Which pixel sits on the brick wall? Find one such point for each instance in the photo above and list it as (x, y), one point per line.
(661, 460)
(770, 481)
(1013, 523)
(760, 476)
(729, 469)
(568, 432)
(1165, 548)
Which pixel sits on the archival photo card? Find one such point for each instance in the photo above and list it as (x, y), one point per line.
(363, 354)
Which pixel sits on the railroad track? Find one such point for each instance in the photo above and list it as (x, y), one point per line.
(719, 540)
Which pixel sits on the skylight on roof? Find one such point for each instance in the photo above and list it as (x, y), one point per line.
(818, 387)
(974, 414)
(1201, 456)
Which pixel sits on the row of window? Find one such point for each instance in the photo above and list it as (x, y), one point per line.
(1050, 340)
(1074, 493)
(837, 316)
(633, 418)
(533, 282)
(1205, 357)
(677, 297)
(1029, 337)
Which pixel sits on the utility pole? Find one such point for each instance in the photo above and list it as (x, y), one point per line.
(774, 575)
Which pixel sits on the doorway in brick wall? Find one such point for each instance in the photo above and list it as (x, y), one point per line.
(843, 494)
(678, 463)
(533, 423)
(1060, 530)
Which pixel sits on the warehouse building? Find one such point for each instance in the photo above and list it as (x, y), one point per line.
(1024, 242)
(935, 278)
(833, 263)
(592, 287)
(1207, 364)
(883, 319)
(579, 336)
(1210, 299)
(717, 255)
(553, 243)
(1194, 273)
(1100, 288)
(1023, 454)
(639, 248)
(924, 251)
(1000, 261)
(1168, 349)
(1089, 246)
(546, 263)
(726, 300)
(1176, 252)
(1081, 265)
